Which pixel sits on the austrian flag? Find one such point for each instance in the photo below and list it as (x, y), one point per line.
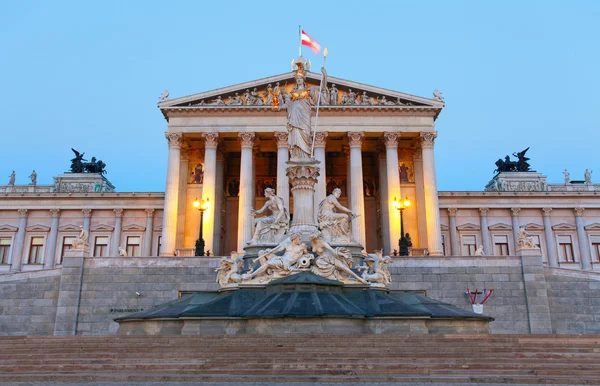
(309, 42)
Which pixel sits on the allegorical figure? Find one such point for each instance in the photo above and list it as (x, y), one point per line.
(588, 176)
(278, 266)
(11, 178)
(334, 264)
(270, 228)
(33, 177)
(567, 176)
(335, 225)
(299, 110)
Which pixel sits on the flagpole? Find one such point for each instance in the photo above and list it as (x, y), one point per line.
(299, 40)
(312, 147)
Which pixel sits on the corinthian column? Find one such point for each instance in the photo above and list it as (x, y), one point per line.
(384, 200)
(420, 200)
(485, 233)
(393, 187)
(169, 232)
(17, 253)
(116, 242)
(87, 219)
(219, 201)
(320, 189)
(355, 139)
(514, 213)
(52, 237)
(211, 141)
(550, 245)
(147, 247)
(584, 250)
(454, 245)
(432, 211)
(246, 191)
(283, 186)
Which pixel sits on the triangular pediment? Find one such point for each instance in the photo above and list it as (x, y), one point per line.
(69, 228)
(102, 227)
(564, 227)
(254, 95)
(158, 228)
(534, 227)
(38, 228)
(593, 227)
(468, 227)
(8, 228)
(134, 227)
(444, 228)
(500, 227)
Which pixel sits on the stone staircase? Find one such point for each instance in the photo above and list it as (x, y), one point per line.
(541, 359)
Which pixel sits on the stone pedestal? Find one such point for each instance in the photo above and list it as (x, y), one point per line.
(517, 182)
(82, 183)
(303, 176)
(79, 252)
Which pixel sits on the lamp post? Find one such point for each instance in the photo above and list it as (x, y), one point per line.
(201, 206)
(403, 243)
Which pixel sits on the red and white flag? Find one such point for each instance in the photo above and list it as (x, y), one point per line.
(309, 42)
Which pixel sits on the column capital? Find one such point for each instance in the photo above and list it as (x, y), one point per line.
(247, 139)
(87, 213)
(321, 138)
(282, 138)
(118, 212)
(483, 212)
(546, 212)
(211, 140)
(452, 212)
(23, 212)
(149, 212)
(390, 139)
(355, 138)
(175, 139)
(427, 139)
(514, 212)
(578, 212)
(55, 213)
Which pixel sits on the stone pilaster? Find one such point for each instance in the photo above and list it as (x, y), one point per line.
(283, 154)
(536, 294)
(355, 139)
(246, 190)
(432, 211)
(211, 141)
(390, 141)
(17, 253)
(514, 214)
(69, 295)
(147, 247)
(454, 244)
(384, 206)
(319, 153)
(550, 244)
(582, 240)
(50, 252)
(116, 241)
(485, 232)
(169, 233)
(216, 251)
(420, 197)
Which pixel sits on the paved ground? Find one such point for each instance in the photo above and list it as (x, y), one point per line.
(255, 384)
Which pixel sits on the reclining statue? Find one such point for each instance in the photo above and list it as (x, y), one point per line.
(279, 266)
(333, 264)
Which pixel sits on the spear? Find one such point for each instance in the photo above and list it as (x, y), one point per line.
(312, 148)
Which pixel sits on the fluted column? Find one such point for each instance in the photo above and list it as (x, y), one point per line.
(550, 244)
(584, 249)
(211, 141)
(485, 233)
(246, 190)
(514, 213)
(355, 139)
(346, 151)
(320, 189)
(384, 200)
(393, 186)
(283, 154)
(432, 211)
(87, 220)
(169, 233)
(420, 199)
(17, 253)
(147, 247)
(116, 241)
(216, 251)
(182, 195)
(454, 244)
(52, 237)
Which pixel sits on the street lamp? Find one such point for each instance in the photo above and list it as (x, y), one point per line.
(201, 206)
(403, 241)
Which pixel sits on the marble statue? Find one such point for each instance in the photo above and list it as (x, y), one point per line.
(229, 271)
(279, 266)
(247, 98)
(333, 95)
(271, 228)
(122, 252)
(376, 269)
(33, 177)
(524, 240)
(383, 102)
(11, 178)
(479, 251)
(335, 225)
(235, 100)
(333, 264)
(257, 100)
(438, 96)
(567, 176)
(80, 242)
(324, 101)
(269, 90)
(350, 98)
(217, 102)
(365, 100)
(399, 102)
(299, 111)
(587, 176)
(278, 92)
(164, 96)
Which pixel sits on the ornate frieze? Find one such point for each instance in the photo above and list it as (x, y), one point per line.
(247, 138)
(174, 139)
(355, 138)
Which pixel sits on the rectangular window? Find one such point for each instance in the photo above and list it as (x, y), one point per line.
(469, 245)
(537, 240)
(501, 245)
(595, 239)
(133, 246)
(565, 248)
(35, 250)
(101, 246)
(66, 245)
(5, 243)
(159, 246)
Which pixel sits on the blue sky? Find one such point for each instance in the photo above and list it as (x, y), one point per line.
(88, 75)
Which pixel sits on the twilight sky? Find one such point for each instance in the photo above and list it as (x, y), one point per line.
(88, 75)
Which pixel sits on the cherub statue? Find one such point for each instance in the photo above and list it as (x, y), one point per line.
(376, 268)
(334, 264)
(229, 271)
(279, 266)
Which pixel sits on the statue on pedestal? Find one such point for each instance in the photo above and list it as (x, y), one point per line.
(333, 264)
(270, 229)
(80, 243)
(524, 240)
(279, 266)
(335, 225)
(587, 176)
(33, 177)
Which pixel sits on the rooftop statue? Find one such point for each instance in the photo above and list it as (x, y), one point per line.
(33, 177)
(521, 165)
(11, 178)
(588, 176)
(78, 166)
